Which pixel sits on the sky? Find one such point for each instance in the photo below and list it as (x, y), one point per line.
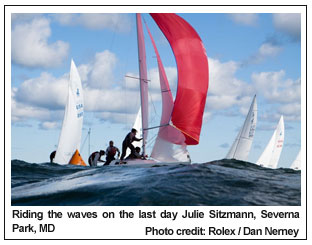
(248, 54)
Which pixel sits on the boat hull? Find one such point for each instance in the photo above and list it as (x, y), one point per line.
(143, 163)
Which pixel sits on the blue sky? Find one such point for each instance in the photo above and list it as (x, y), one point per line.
(247, 53)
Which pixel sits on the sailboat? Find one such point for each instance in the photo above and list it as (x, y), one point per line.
(67, 151)
(271, 154)
(296, 165)
(181, 120)
(241, 147)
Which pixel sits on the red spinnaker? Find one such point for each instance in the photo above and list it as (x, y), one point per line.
(192, 65)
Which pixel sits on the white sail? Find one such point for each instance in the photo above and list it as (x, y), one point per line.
(165, 151)
(70, 136)
(271, 154)
(241, 147)
(297, 163)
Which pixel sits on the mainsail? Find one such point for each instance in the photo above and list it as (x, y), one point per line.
(242, 144)
(70, 136)
(271, 154)
(192, 65)
(297, 163)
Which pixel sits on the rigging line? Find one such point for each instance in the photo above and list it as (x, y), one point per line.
(84, 142)
(154, 107)
(144, 80)
(164, 125)
(151, 141)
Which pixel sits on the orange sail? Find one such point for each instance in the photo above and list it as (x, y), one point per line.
(77, 159)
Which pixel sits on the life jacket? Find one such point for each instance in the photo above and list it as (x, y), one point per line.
(112, 151)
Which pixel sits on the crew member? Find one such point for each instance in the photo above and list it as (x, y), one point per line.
(95, 157)
(52, 156)
(111, 152)
(128, 143)
(136, 154)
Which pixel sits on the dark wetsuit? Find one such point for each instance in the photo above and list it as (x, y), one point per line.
(128, 143)
(52, 156)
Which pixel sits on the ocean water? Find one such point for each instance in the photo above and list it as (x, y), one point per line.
(216, 183)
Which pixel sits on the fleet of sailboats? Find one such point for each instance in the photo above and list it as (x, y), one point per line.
(181, 119)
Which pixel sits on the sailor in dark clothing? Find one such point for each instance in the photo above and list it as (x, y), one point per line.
(128, 143)
(111, 152)
(136, 154)
(95, 157)
(52, 156)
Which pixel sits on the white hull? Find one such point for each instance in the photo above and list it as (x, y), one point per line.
(143, 163)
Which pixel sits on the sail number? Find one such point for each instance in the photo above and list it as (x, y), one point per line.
(252, 131)
(78, 107)
(279, 143)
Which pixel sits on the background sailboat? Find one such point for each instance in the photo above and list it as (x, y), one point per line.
(241, 147)
(297, 163)
(70, 137)
(271, 154)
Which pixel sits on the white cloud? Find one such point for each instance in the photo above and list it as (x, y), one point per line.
(116, 22)
(116, 117)
(22, 112)
(225, 90)
(290, 24)
(100, 75)
(275, 88)
(49, 125)
(285, 93)
(269, 49)
(266, 50)
(40, 97)
(44, 91)
(245, 19)
(291, 111)
(30, 45)
(112, 100)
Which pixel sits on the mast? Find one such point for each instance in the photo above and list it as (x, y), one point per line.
(89, 135)
(143, 80)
